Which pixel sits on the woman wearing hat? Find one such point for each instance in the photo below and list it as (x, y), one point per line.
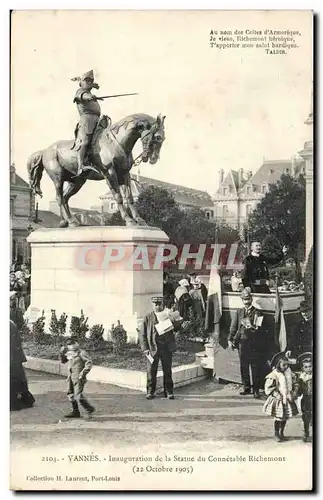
(199, 304)
(280, 389)
(183, 299)
(16, 314)
(20, 397)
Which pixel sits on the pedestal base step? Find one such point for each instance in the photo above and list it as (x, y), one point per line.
(207, 362)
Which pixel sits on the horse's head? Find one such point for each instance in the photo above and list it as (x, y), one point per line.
(152, 138)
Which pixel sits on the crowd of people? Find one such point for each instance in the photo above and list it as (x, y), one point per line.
(187, 295)
(20, 277)
(249, 334)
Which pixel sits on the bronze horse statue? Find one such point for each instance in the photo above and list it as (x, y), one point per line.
(111, 154)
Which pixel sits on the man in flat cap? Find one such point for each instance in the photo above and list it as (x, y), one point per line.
(247, 334)
(89, 110)
(157, 341)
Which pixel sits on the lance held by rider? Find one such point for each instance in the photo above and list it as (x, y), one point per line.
(90, 111)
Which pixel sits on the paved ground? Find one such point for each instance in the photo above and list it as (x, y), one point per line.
(205, 411)
(204, 417)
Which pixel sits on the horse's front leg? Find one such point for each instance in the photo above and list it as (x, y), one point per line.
(128, 197)
(112, 182)
(67, 218)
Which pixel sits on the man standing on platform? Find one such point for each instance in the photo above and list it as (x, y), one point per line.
(157, 341)
(256, 273)
(247, 333)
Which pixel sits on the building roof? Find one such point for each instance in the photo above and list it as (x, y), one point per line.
(47, 219)
(231, 180)
(19, 182)
(272, 170)
(87, 216)
(182, 194)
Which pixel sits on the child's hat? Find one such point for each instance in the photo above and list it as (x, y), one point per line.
(277, 357)
(306, 356)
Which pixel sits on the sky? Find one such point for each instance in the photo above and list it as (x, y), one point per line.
(224, 109)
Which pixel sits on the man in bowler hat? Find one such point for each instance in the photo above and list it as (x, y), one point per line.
(247, 334)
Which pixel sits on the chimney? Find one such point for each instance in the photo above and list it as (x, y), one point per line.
(221, 176)
(12, 174)
(294, 165)
(240, 176)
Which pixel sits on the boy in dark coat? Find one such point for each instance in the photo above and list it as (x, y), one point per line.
(305, 389)
(79, 365)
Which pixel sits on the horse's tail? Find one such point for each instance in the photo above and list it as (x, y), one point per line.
(35, 169)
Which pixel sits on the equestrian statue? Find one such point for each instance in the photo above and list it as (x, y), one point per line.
(99, 151)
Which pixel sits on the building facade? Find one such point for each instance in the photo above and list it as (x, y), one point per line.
(307, 153)
(239, 193)
(22, 214)
(24, 217)
(185, 197)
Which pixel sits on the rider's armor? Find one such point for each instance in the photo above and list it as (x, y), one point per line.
(89, 110)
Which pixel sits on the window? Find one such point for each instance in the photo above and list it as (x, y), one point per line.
(264, 188)
(248, 189)
(225, 211)
(225, 190)
(12, 206)
(113, 205)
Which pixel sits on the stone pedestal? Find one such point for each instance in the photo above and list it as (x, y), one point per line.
(110, 273)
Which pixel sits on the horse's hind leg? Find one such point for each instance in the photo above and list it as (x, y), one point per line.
(67, 218)
(72, 187)
(116, 193)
